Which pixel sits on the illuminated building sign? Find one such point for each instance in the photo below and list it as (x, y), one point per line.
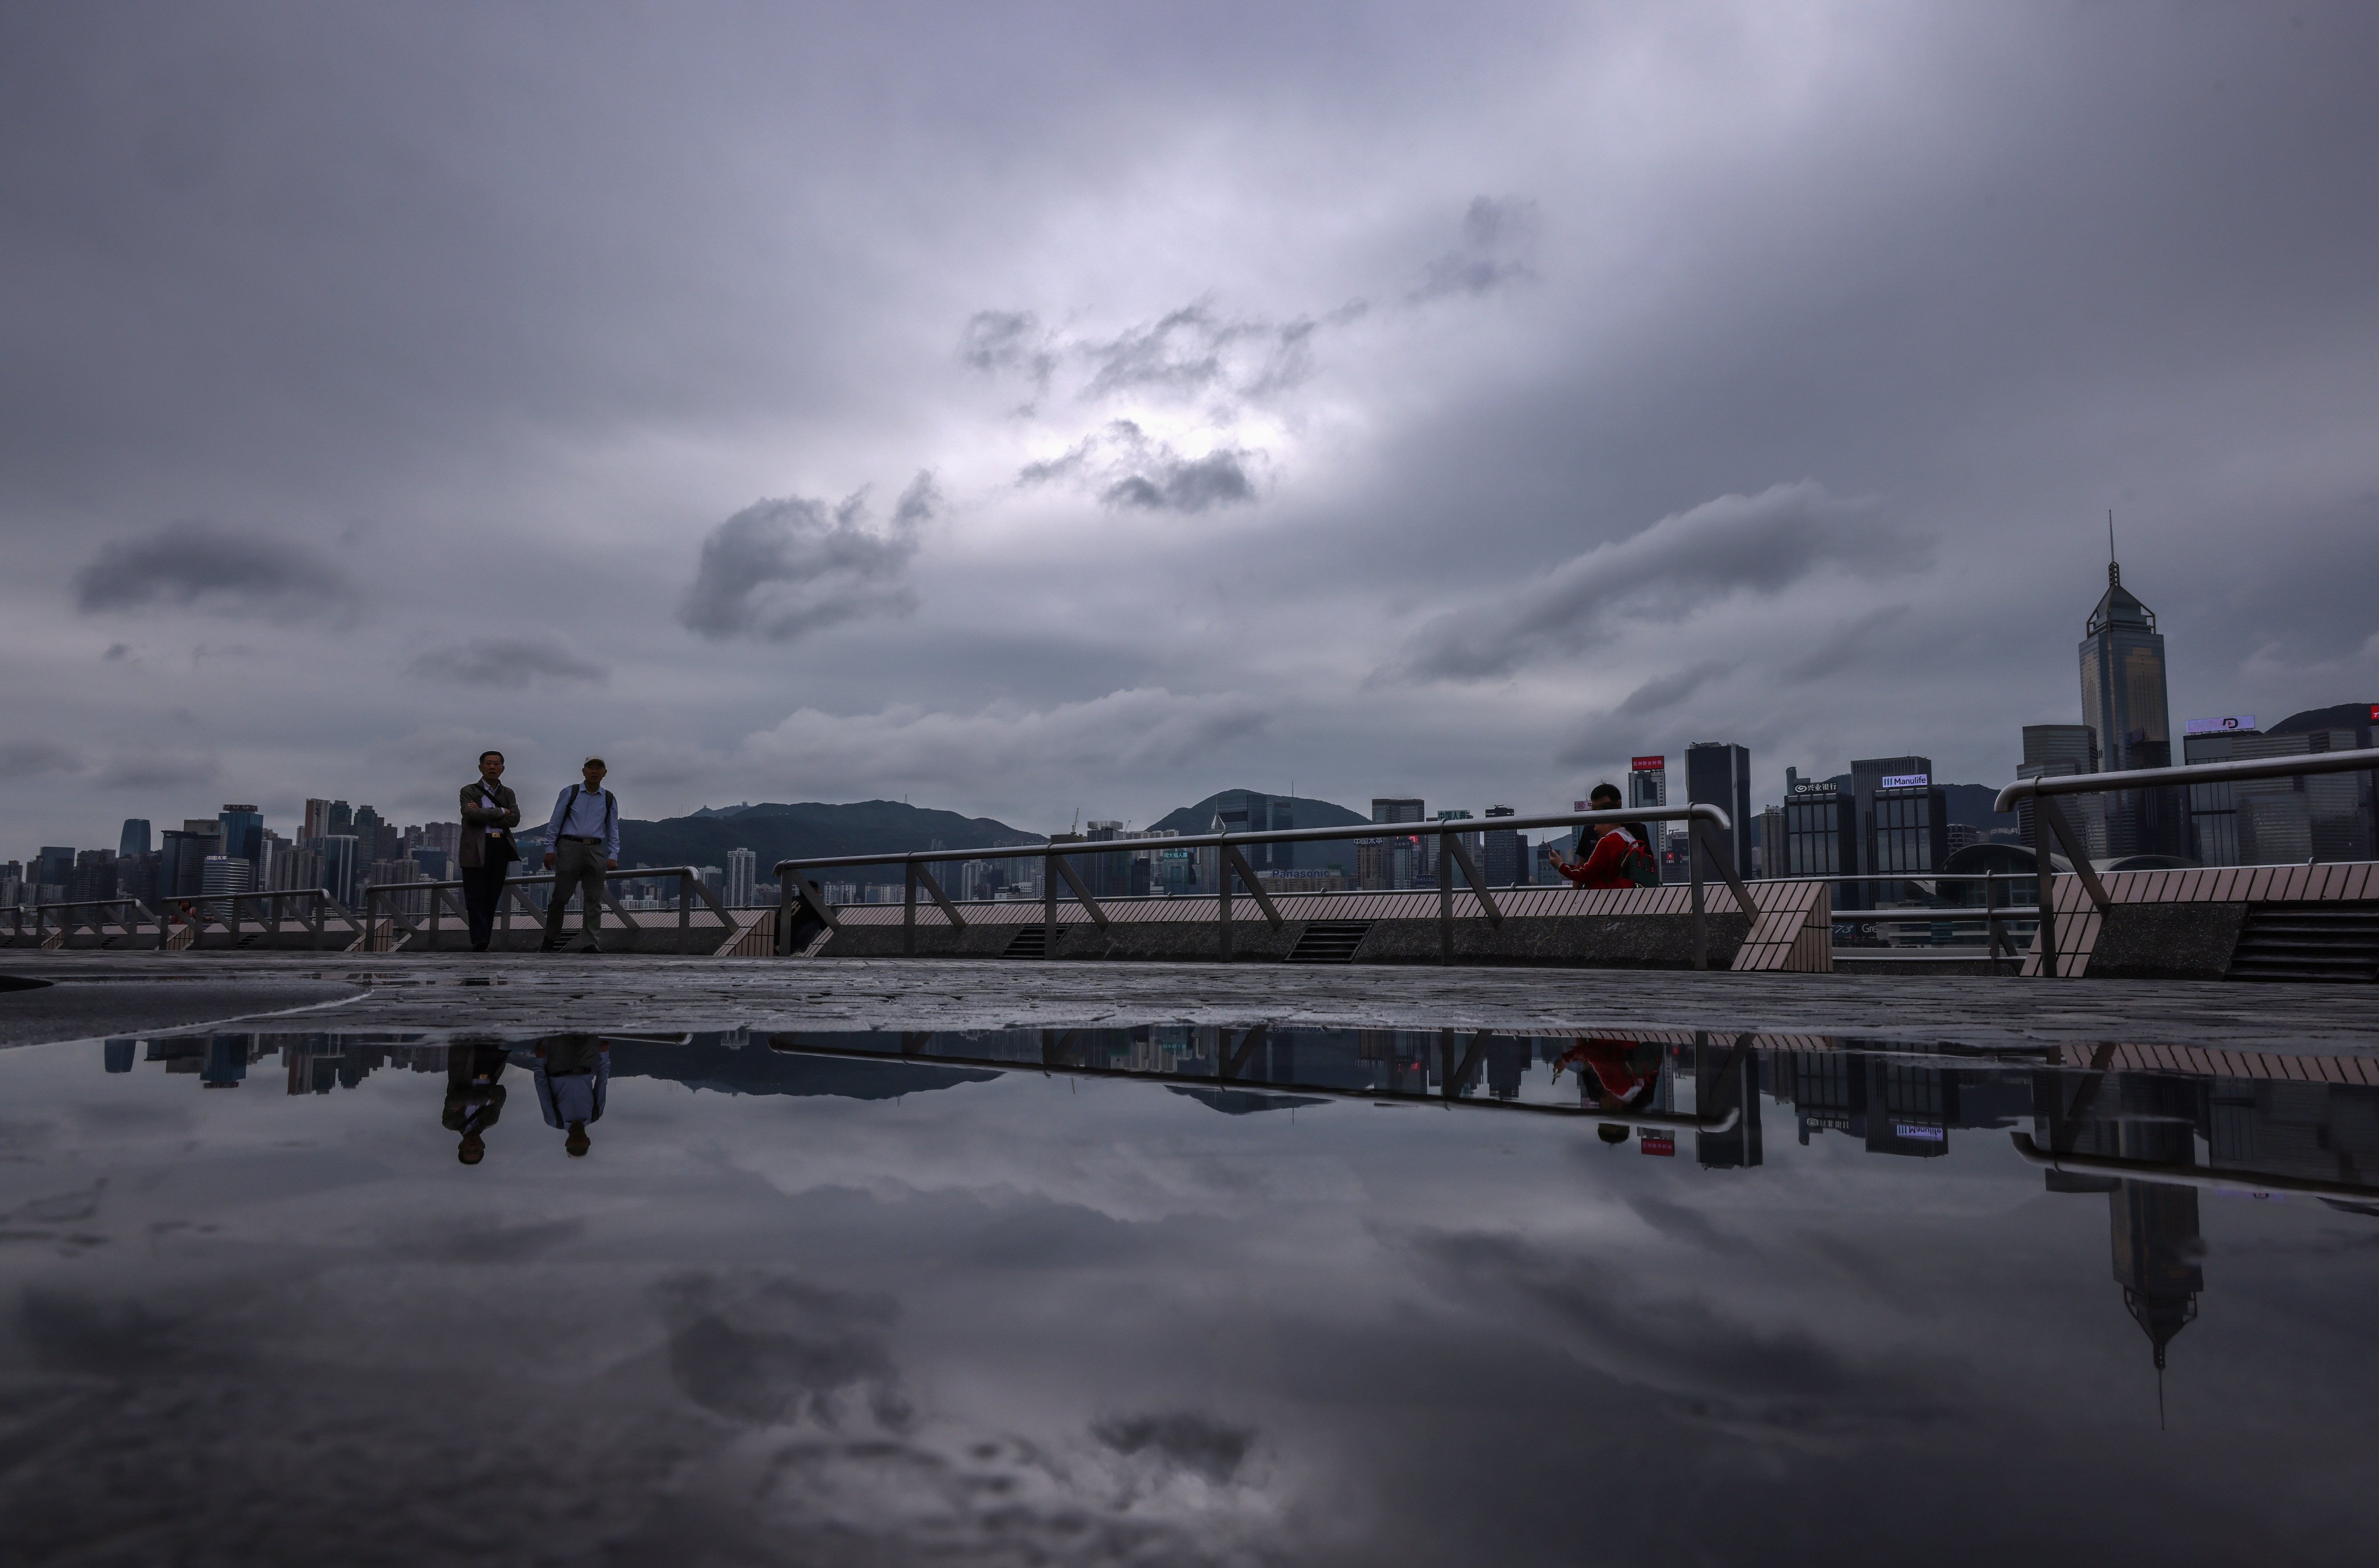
(2217, 726)
(1906, 780)
(1659, 1143)
(1658, 765)
(1921, 1134)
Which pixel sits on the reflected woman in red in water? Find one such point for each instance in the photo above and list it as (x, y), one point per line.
(1623, 1073)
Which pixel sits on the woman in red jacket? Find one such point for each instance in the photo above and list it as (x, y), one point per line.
(1606, 866)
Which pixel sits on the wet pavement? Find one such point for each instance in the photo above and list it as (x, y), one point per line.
(528, 992)
(1090, 1292)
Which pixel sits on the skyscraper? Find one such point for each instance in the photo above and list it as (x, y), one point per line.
(2054, 751)
(1506, 852)
(317, 820)
(134, 840)
(1719, 774)
(242, 833)
(2123, 704)
(743, 872)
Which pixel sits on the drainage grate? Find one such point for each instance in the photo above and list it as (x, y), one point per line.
(2309, 941)
(1329, 942)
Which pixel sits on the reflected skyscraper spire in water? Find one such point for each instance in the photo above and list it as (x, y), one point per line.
(2156, 1244)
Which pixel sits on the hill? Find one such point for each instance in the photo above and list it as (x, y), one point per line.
(1305, 813)
(778, 832)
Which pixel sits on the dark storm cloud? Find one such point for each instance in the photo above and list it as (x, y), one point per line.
(779, 569)
(1499, 238)
(159, 770)
(1130, 469)
(1008, 341)
(1758, 545)
(1845, 644)
(209, 566)
(1199, 1444)
(510, 661)
(30, 759)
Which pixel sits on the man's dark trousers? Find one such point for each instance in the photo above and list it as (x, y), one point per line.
(483, 891)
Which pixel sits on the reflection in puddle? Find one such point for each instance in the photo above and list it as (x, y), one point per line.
(1177, 1294)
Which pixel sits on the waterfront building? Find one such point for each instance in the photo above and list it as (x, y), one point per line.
(1394, 862)
(242, 833)
(2276, 821)
(317, 820)
(1820, 837)
(1719, 773)
(742, 875)
(219, 875)
(2055, 751)
(133, 839)
(340, 862)
(94, 876)
(1506, 854)
(2123, 704)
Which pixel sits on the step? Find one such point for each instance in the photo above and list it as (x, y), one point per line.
(1329, 942)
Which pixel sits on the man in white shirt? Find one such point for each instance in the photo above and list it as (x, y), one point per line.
(581, 842)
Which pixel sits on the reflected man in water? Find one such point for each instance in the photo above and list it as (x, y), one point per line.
(1623, 1074)
(573, 1076)
(474, 1098)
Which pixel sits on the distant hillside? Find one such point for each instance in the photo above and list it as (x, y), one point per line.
(1307, 813)
(778, 832)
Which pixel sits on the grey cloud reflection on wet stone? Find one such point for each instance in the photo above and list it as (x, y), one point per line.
(1704, 1366)
(768, 1349)
(1198, 1443)
(212, 567)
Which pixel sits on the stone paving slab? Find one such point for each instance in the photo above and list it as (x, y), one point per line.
(529, 994)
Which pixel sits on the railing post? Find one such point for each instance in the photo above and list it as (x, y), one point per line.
(909, 909)
(1049, 905)
(1224, 870)
(1694, 853)
(1444, 901)
(785, 914)
(2044, 939)
(684, 908)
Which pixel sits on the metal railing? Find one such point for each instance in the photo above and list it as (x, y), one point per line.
(2048, 819)
(689, 887)
(194, 913)
(799, 889)
(68, 923)
(1999, 941)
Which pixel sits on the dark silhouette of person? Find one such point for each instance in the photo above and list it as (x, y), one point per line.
(574, 1077)
(474, 1098)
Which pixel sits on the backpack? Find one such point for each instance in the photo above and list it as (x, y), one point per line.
(1638, 862)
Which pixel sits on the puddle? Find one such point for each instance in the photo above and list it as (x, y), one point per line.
(1184, 1295)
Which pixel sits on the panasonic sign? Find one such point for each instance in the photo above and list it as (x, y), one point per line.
(2221, 726)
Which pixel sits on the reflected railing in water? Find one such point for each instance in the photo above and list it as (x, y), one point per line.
(2134, 1124)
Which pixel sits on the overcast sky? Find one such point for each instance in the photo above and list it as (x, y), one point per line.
(1026, 409)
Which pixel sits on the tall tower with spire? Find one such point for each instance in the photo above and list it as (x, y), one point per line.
(2123, 704)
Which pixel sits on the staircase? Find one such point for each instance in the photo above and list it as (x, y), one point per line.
(2309, 941)
(1329, 942)
(1030, 941)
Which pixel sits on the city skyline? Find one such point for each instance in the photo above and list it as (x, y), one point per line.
(1347, 397)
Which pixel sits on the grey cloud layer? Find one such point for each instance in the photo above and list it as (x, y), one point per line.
(1758, 545)
(510, 661)
(501, 303)
(212, 567)
(779, 569)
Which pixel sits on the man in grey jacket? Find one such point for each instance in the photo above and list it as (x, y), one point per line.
(581, 842)
(491, 811)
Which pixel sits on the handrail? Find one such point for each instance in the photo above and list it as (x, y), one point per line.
(690, 886)
(1715, 816)
(1652, 1121)
(2048, 818)
(2171, 1175)
(1702, 819)
(2190, 772)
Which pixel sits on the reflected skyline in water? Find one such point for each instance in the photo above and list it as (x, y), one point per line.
(1196, 1294)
